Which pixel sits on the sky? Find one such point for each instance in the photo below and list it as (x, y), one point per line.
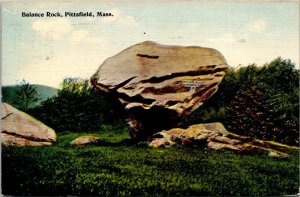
(45, 50)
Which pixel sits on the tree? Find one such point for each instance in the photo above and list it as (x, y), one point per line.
(77, 107)
(249, 114)
(259, 101)
(25, 95)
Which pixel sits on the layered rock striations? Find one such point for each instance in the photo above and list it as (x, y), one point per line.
(159, 84)
(214, 136)
(20, 129)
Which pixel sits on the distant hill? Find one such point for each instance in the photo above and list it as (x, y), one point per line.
(44, 92)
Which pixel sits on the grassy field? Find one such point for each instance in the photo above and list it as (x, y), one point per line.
(119, 167)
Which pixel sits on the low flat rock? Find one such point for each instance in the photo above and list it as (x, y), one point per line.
(214, 136)
(21, 129)
(160, 84)
(86, 140)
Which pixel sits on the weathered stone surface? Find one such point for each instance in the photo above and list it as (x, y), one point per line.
(20, 129)
(86, 140)
(160, 84)
(215, 136)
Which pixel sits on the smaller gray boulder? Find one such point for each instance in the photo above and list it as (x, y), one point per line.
(86, 140)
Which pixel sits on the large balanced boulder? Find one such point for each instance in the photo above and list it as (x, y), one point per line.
(214, 136)
(20, 129)
(159, 84)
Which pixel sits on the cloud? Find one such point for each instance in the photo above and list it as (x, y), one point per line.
(192, 25)
(120, 19)
(227, 37)
(51, 69)
(60, 26)
(116, 12)
(53, 28)
(127, 21)
(241, 40)
(80, 59)
(79, 35)
(257, 26)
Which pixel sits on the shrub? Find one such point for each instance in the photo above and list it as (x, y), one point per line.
(77, 107)
(249, 114)
(271, 90)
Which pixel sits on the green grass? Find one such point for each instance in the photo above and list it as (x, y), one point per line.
(122, 168)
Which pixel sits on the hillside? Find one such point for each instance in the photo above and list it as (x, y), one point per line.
(43, 91)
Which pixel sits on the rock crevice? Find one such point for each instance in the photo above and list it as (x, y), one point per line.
(31, 138)
(214, 136)
(20, 129)
(148, 56)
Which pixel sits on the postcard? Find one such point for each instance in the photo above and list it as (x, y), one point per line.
(150, 98)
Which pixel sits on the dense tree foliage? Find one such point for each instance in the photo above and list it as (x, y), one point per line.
(77, 107)
(258, 101)
(249, 114)
(25, 96)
